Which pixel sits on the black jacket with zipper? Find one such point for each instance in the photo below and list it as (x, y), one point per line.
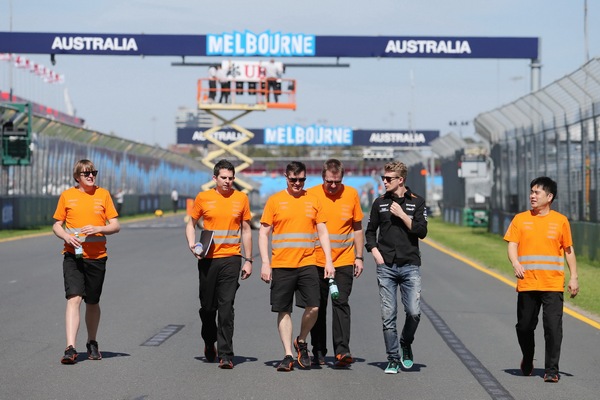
(396, 243)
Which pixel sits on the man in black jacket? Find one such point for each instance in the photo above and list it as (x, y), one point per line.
(401, 218)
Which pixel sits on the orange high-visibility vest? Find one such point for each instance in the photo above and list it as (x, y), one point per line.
(341, 210)
(541, 243)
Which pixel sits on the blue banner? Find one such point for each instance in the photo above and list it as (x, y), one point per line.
(226, 135)
(268, 44)
(315, 135)
(395, 138)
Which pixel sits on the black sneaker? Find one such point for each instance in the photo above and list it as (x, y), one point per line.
(318, 358)
(407, 357)
(526, 367)
(286, 365)
(92, 350)
(551, 377)
(210, 352)
(303, 356)
(70, 356)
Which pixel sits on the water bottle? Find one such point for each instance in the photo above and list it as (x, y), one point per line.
(333, 289)
(198, 248)
(78, 250)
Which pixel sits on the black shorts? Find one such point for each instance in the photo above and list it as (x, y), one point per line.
(303, 281)
(84, 277)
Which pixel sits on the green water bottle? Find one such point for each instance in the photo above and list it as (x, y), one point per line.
(333, 289)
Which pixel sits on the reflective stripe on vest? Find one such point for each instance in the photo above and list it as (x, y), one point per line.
(339, 241)
(226, 237)
(293, 240)
(545, 263)
(85, 238)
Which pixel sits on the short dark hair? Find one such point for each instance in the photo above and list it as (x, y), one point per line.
(333, 165)
(547, 185)
(295, 167)
(223, 164)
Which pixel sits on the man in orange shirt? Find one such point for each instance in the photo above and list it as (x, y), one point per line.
(538, 242)
(85, 214)
(226, 212)
(294, 217)
(341, 205)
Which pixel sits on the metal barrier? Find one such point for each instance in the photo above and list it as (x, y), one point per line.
(551, 132)
(147, 174)
(134, 167)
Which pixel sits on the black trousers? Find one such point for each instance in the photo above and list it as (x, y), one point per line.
(272, 87)
(225, 89)
(528, 309)
(212, 89)
(218, 285)
(340, 320)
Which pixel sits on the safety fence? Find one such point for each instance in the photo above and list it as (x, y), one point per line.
(551, 132)
(146, 174)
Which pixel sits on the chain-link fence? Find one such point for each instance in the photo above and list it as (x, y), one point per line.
(146, 174)
(133, 167)
(551, 132)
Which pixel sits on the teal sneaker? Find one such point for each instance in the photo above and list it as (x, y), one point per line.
(392, 367)
(407, 357)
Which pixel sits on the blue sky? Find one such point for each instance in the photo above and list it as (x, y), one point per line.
(137, 98)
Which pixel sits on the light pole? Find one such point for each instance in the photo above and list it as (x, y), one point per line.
(10, 64)
(153, 119)
(459, 125)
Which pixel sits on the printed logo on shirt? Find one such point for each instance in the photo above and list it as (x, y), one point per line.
(552, 231)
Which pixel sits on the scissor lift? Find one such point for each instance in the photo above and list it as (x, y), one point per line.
(244, 98)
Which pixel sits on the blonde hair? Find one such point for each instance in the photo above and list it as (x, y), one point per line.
(80, 166)
(397, 167)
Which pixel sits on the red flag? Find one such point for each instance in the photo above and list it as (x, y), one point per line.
(21, 62)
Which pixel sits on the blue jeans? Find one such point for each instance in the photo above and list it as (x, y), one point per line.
(408, 277)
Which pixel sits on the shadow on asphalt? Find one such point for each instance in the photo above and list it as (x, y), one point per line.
(382, 365)
(536, 372)
(105, 354)
(237, 360)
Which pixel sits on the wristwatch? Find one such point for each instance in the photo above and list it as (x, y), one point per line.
(359, 258)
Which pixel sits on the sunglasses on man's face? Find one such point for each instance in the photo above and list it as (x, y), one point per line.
(389, 179)
(87, 173)
(294, 180)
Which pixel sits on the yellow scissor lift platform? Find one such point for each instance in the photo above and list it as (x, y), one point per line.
(246, 100)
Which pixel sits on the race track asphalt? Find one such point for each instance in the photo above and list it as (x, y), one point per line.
(465, 347)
